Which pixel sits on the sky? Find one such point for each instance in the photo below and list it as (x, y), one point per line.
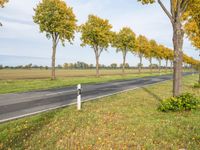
(21, 38)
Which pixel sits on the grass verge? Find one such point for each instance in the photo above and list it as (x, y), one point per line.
(14, 86)
(123, 121)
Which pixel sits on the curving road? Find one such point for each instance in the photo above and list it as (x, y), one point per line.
(13, 106)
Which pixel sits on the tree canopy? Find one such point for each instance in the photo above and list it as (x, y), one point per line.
(124, 40)
(192, 25)
(96, 32)
(143, 45)
(152, 49)
(56, 19)
(2, 3)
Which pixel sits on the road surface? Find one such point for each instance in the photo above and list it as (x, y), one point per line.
(13, 106)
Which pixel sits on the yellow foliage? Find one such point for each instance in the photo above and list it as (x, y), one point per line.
(192, 26)
(2, 2)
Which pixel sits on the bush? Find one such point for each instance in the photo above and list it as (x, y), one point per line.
(197, 85)
(186, 101)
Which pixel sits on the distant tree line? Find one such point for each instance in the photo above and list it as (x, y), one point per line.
(28, 66)
(83, 65)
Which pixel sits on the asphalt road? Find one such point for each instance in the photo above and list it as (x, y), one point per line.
(13, 106)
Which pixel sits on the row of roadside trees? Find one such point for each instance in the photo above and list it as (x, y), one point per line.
(96, 33)
(124, 41)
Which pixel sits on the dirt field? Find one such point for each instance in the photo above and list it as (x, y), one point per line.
(12, 74)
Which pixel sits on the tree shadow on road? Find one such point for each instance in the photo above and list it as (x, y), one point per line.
(152, 94)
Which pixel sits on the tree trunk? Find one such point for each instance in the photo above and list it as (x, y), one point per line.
(175, 16)
(171, 66)
(97, 63)
(185, 68)
(166, 65)
(53, 74)
(124, 62)
(178, 57)
(140, 65)
(159, 67)
(150, 61)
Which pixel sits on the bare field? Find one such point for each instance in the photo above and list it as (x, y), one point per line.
(12, 74)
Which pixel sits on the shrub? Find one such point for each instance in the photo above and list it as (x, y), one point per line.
(185, 101)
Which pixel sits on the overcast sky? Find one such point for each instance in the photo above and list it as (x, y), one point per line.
(19, 36)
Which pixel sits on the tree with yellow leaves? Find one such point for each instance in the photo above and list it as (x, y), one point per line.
(151, 53)
(58, 21)
(175, 14)
(167, 55)
(192, 26)
(142, 48)
(159, 55)
(124, 41)
(96, 33)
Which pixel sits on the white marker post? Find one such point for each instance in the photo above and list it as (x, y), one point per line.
(79, 97)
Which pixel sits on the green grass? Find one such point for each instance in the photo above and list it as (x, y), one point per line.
(124, 121)
(13, 86)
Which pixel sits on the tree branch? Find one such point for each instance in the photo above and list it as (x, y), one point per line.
(96, 50)
(172, 8)
(53, 38)
(165, 10)
(184, 5)
(178, 9)
(124, 53)
(101, 50)
(57, 38)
